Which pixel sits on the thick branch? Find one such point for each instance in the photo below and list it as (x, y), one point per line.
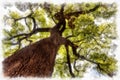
(62, 19)
(69, 63)
(74, 47)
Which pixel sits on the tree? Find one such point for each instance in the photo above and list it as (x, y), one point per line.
(47, 37)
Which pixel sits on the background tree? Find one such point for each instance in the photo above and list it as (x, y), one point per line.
(66, 37)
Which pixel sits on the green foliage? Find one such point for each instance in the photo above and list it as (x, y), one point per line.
(84, 19)
(93, 40)
(39, 15)
(14, 14)
(107, 64)
(106, 11)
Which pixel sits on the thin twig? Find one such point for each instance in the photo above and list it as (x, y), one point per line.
(74, 65)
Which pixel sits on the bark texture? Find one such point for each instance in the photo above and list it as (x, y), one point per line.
(34, 60)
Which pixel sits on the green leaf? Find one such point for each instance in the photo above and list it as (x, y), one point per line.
(14, 14)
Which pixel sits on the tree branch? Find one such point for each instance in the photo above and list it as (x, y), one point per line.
(27, 24)
(82, 12)
(31, 33)
(68, 62)
(74, 47)
(62, 19)
(74, 65)
(34, 23)
(46, 7)
(26, 35)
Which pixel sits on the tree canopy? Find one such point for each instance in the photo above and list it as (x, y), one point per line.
(89, 26)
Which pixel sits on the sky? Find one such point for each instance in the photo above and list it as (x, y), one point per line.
(91, 74)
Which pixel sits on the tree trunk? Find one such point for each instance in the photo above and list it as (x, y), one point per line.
(34, 60)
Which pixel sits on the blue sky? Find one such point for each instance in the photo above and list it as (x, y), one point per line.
(91, 75)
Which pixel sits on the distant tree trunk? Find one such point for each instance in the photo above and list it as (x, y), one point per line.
(36, 59)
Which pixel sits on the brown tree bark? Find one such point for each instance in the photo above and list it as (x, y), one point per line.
(33, 60)
(36, 59)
